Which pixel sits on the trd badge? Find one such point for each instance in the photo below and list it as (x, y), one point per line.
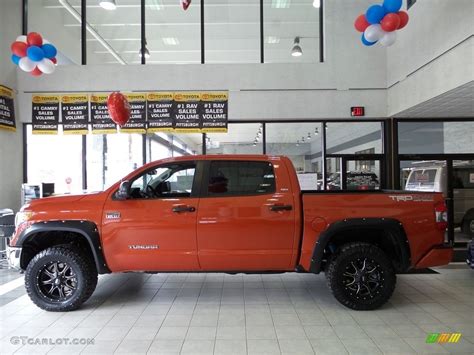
(112, 215)
(143, 247)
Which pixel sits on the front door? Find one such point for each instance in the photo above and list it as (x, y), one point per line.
(246, 218)
(155, 228)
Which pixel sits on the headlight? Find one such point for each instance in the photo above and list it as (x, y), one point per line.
(22, 217)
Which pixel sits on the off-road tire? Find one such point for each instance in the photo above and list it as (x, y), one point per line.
(466, 225)
(81, 270)
(337, 276)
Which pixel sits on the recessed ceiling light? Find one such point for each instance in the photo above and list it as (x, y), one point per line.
(317, 4)
(272, 40)
(296, 50)
(155, 4)
(170, 41)
(108, 4)
(281, 4)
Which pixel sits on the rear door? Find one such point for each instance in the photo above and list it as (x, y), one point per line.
(155, 229)
(246, 217)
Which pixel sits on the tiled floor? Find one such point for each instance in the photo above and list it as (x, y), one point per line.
(246, 314)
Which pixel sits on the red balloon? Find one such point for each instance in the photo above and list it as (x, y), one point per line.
(403, 19)
(390, 22)
(119, 108)
(361, 23)
(54, 60)
(185, 4)
(36, 72)
(19, 48)
(34, 39)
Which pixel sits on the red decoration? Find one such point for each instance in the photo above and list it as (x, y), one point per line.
(19, 48)
(361, 23)
(390, 22)
(34, 39)
(36, 72)
(54, 60)
(185, 4)
(119, 108)
(403, 19)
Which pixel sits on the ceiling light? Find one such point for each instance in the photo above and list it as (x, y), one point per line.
(317, 4)
(155, 4)
(309, 136)
(297, 143)
(281, 4)
(316, 131)
(302, 139)
(296, 51)
(170, 41)
(108, 4)
(272, 40)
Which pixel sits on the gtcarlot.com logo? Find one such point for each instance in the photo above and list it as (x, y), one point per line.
(443, 338)
(25, 340)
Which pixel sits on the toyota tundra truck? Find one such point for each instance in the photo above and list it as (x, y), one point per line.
(226, 213)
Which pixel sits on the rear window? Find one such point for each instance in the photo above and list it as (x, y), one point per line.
(231, 178)
(422, 177)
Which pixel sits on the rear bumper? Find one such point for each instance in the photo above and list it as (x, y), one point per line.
(437, 256)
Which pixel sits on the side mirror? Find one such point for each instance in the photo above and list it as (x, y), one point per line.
(123, 192)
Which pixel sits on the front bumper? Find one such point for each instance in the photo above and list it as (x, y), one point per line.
(437, 256)
(13, 257)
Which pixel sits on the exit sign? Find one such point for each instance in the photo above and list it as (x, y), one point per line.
(357, 111)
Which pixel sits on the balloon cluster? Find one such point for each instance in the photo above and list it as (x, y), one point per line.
(33, 54)
(380, 22)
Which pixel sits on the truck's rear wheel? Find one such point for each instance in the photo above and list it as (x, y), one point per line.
(60, 279)
(468, 225)
(361, 276)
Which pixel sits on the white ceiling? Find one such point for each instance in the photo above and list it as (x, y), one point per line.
(458, 102)
(232, 30)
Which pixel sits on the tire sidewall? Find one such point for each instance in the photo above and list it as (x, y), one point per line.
(339, 265)
(32, 273)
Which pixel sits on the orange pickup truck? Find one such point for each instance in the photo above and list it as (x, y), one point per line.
(227, 213)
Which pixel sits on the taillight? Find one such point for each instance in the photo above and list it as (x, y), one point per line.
(441, 216)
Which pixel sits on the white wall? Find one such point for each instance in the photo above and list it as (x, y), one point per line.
(11, 155)
(438, 41)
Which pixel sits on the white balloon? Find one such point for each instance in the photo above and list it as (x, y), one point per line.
(388, 39)
(373, 33)
(46, 66)
(26, 64)
(21, 39)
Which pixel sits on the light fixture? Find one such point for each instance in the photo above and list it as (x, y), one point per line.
(155, 4)
(297, 143)
(317, 4)
(309, 136)
(272, 40)
(296, 51)
(147, 52)
(281, 4)
(170, 41)
(302, 139)
(108, 4)
(316, 131)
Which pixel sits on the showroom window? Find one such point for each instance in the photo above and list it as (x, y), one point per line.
(55, 159)
(59, 23)
(241, 138)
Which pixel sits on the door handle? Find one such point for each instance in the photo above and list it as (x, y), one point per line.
(276, 208)
(179, 209)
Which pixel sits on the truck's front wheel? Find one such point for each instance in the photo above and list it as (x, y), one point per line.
(60, 279)
(361, 276)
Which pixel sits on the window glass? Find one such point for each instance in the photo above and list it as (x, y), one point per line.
(110, 157)
(55, 159)
(164, 182)
(463, 175)
(435, 137)
(232, 31)
(354, 137)
(301, 142)
(113, 36)
(173, 35)
(285, 21)
(59, 23)
(241, 178)
(241, 138)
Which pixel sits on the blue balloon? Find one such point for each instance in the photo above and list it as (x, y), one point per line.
(375, 14)
(15, 59)
(391, 6)
(367, 43)
(35, 53)
(49, 50)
